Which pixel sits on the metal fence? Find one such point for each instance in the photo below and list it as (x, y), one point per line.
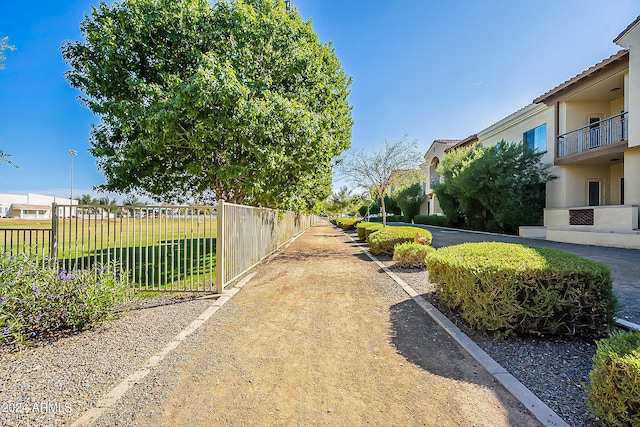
(248, 234)
(163, 248)
(604, 132)
(34, 242)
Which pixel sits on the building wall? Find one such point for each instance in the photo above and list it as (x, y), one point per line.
(512, 128)
(7, 199)
(577, 113)
(430, 205)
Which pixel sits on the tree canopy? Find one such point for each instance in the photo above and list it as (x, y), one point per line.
(236, 100)
(343, 202)
(377, 170)
(497, 188)
(409, 198)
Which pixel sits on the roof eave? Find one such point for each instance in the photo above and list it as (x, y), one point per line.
(622, 54)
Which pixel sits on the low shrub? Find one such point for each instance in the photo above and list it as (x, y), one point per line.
(614, 389)
(437, 220)
(384, 240)
(509, 288)
(363, 226)
(411, 255)
(371, 229)
(344, 223)
(37, 300)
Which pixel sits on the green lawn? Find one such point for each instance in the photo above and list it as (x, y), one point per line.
(173, 253)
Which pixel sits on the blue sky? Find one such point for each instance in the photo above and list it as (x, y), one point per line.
(430, 69)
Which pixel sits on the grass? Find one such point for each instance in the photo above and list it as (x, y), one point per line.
(159, 253)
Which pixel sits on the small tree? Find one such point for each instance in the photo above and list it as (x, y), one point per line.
(375, 170)
(409, 199)
(344, 202)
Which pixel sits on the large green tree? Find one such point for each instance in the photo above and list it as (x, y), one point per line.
(498, 188)
(236, 100)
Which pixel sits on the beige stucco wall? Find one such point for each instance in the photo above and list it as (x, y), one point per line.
(577, 114)
(611, 218)
(632, 176)
(631, 41)
(616, 173)
(513, 127)
(435, 151)
(557, 189)
(627, 240)
(576, 177)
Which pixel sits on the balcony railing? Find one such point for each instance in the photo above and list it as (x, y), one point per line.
(599, 134)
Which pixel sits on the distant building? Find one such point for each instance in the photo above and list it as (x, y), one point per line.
(31, 206)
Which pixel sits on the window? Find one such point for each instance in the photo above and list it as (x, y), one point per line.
(536, 138)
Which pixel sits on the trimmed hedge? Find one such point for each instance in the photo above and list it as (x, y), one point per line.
(437, 220)
(344, 223)
(614, 391)
(384, 240)
(363, 226)
(411, 255)
(509, 288)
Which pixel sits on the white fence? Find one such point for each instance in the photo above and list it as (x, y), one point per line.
(246, 235)
(163, 248)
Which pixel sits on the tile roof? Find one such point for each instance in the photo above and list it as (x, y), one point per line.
(468, 140)
(620, 55)
(448, 141)
(629, 27)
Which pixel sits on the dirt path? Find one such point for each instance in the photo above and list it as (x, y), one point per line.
(320, 337)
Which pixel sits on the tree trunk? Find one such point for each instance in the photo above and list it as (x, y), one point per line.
(384, 211)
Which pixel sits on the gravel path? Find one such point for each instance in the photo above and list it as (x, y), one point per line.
(54, 382)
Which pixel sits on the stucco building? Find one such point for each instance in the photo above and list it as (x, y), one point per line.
(31, 206)
(589, 129)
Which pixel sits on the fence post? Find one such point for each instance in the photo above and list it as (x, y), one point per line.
(53, 244)
(220, 245)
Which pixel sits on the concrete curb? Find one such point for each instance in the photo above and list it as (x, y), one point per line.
(537, 407)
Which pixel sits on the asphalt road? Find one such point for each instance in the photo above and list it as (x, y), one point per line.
(624, 263)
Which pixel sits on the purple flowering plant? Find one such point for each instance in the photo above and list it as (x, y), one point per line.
(37, 300)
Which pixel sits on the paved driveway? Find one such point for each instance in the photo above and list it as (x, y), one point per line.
(624, 263)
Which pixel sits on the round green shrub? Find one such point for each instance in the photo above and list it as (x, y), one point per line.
(411, 254)
(614, 390)
(510, 288)
(362, 228)
(384, 240)
(344, 223)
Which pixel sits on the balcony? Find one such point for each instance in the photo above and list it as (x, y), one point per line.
(606, 132)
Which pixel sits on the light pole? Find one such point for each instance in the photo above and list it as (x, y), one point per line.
(72, 153)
